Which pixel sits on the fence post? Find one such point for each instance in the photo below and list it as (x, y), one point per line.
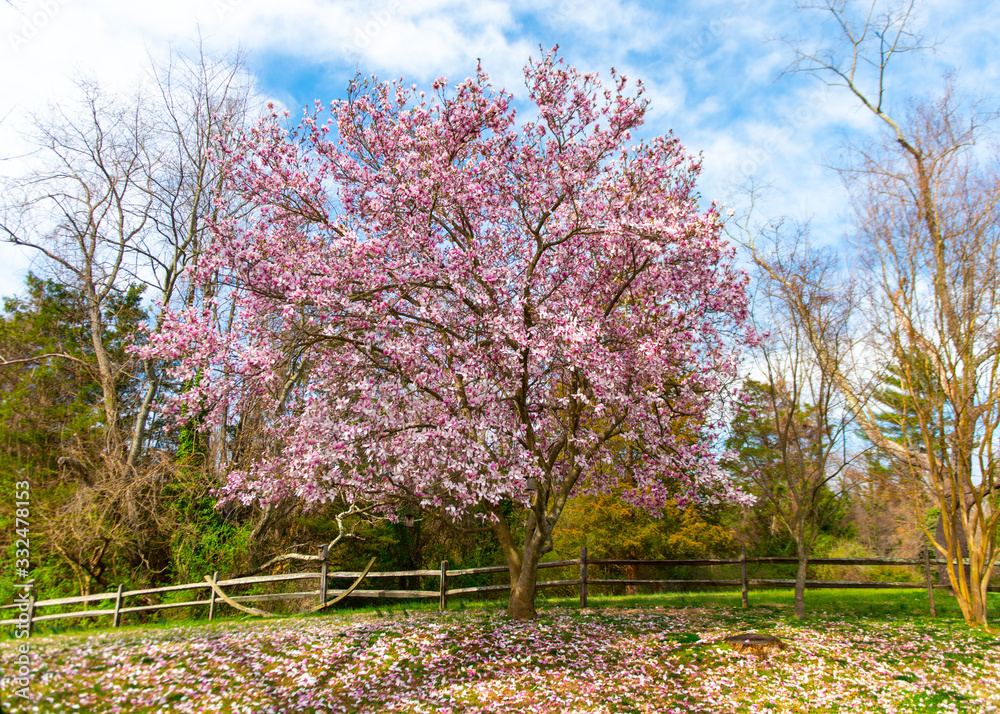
(323, 570)
(583, 577)
(443, 600)
(211, 596)
(927, 579)
(743, 577)
(118, 607)
(31, 609)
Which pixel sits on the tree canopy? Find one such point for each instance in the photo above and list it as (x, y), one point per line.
(441, 302)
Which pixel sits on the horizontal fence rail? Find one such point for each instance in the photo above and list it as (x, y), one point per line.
(27, 612)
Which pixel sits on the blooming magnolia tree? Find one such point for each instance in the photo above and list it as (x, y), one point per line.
(442, 303)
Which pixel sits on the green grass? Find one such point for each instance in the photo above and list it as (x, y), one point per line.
(867, 603)
(829, 602)
(857, 651)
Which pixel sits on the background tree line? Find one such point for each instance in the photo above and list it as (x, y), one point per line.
(900, 328)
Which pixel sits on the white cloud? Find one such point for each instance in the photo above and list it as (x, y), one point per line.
(709, 70)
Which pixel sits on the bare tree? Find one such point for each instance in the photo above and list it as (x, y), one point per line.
(791, 435)
(928, 237)
(122, 195)
(198, 103)
(84, 210)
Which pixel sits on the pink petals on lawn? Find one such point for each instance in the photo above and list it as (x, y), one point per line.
(475, 661)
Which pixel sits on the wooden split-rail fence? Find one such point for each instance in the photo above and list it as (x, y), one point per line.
(27, 611)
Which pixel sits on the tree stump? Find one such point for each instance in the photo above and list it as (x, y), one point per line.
(755, 643)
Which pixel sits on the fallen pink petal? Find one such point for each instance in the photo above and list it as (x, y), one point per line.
(601, 661)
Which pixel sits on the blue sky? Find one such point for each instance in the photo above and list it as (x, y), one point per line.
(712, 70)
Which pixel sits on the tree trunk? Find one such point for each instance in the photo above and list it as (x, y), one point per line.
(955, 542)
(521, 605)
(522, 566)
(970, 584)
(800, 583)
(139, 433)
(522, 571)
(975, 613)
(105, 373)
(971, 597)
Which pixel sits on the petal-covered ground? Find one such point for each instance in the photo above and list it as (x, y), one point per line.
(477, 661)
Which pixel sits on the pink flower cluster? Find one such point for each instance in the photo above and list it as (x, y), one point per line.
(439, 301)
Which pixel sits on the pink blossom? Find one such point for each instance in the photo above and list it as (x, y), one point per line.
(440, 302)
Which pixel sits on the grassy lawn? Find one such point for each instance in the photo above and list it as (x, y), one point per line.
(859, 651)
